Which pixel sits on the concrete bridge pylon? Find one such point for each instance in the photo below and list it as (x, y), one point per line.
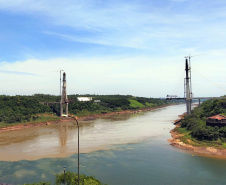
(64, 99)
(187, 85)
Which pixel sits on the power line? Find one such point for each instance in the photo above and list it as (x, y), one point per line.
(189, 66)
(210, 80)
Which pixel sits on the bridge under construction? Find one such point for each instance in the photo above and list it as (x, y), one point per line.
(63, 103)
(187, 89)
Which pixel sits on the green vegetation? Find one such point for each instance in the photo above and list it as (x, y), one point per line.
(30, 109)
(112, 103)
(71, 178)
(135, 104)
(181, 130)
(108, 103)
(17, 109)
(194, 128)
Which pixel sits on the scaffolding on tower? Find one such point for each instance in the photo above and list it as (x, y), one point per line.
(64, 99)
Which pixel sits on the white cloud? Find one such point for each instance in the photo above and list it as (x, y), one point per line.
(17, 72)
(136, 76)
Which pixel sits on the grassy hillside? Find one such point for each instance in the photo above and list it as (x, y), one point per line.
(135, 104)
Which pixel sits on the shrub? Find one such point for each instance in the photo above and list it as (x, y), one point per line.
(71, 178)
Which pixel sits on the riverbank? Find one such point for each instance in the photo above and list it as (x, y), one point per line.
(176, 141)
(70, 119)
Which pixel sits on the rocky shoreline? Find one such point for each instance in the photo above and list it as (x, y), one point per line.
(207, 151)
(69, 119)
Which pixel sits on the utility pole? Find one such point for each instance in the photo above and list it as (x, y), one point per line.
(64, 174)
(78, 146)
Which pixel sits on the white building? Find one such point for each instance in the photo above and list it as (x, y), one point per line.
(84, 98)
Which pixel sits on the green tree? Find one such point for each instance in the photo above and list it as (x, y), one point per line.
(71, 178)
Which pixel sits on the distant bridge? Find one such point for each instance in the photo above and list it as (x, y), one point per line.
(221, 97)
(195, 98)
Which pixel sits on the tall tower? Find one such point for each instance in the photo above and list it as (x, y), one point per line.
(187, 87)
(64, 100)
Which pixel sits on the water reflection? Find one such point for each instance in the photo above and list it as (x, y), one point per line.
(63, 134)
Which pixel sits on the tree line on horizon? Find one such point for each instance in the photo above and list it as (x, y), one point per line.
(16, 109)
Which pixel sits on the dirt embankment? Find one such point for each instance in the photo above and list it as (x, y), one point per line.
(69, 119)
(176, 142)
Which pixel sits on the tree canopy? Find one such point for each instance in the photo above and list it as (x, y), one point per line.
(196, 121)
(16, 109)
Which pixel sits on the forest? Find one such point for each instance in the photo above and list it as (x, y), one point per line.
(15, 109)
(195, 123)
(21, 109)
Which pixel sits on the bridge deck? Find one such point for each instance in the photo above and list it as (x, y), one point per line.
(209, 97)
(196, 98)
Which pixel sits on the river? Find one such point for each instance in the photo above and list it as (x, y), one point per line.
(117, 150)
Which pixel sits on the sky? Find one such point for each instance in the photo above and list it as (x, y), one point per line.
(129, 47)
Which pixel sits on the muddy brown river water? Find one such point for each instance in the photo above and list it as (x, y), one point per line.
(60, 140)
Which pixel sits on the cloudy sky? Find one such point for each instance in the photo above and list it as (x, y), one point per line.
(134, 47)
